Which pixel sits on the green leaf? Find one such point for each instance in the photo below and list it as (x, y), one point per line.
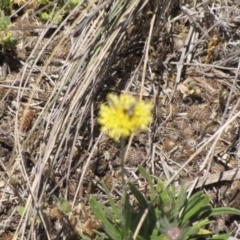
(224, 210)
(199, 226)
(64, 206)
(182, 199)
(202, 223)
(72, 4)
(146, 175)
(114, 209)
(221, 237)
(192, 231)
(142, 206)
(127, 211)
(163, 194)
(150, 220)
(100, 235)
(83, 237)
(20, 210)
(109, 228)
(44, 16)
(138, 195)
(109, 214)
(203, 213)
(154, 235)
(194, 206)
(4, 22)
(193, 200)
(160, 186)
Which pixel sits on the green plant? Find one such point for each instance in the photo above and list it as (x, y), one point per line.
(170, 216)
(72, 4)
(42, 1)
(6, 6)
(122, 116)
(55, 15)
(4, 22)
(163, 214)
(6, 38)
(60, 208)
(55, 18)
(63, 205)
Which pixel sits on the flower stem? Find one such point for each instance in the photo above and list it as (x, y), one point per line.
(123, 152)
(124, 200)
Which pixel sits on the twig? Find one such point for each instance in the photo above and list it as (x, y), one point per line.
(183, 55)
(230, 175)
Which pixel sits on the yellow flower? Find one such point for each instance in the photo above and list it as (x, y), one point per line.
(124, 115)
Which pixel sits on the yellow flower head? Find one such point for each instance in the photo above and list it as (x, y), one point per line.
(124, 115)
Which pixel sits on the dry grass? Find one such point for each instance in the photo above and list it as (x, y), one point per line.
(184, 57)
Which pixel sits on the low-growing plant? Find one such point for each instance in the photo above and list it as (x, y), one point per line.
(7, 40)
(163, 214)
(55, 18)
(60, 208)
(51, 13)
(57, 15)
(171, 216)
(6, 6)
